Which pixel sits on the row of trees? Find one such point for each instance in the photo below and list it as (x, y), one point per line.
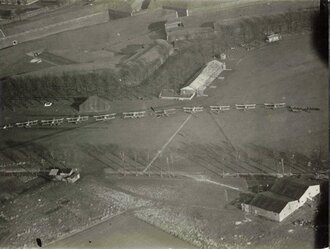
(62, 85)
(255, 28)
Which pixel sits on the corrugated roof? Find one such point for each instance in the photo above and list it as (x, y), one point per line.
(290, 187)
(212, 70)
(270, 201)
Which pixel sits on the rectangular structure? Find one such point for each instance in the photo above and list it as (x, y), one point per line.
(285, 197)
(212, 70)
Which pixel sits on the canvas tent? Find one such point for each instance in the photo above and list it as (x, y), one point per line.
(94, 104)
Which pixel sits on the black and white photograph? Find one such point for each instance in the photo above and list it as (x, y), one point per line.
(164, 124)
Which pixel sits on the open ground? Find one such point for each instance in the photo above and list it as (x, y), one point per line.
(200, 204)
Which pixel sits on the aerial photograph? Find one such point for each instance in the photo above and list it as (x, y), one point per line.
(164, 124)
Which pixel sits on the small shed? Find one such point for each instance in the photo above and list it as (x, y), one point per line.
(94, 104)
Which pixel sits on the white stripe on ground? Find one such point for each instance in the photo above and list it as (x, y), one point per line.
(167, 143)
(221, 184)
(239, 61)
(216, 183)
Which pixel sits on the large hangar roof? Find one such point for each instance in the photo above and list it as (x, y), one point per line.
(283, 191)
(291, 188)
(212, 70)
(270, 201)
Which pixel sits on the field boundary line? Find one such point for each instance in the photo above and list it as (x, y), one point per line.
(87, 227)
(222, 131)
(167, 143)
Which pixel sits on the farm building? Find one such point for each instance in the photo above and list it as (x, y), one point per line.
(212, 70)
(295, 189)
(94, 104)
(284, 198)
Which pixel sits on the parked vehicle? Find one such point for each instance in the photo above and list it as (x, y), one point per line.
(47, 104)
(273, 38)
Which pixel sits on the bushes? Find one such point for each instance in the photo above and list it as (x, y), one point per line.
(65, 85)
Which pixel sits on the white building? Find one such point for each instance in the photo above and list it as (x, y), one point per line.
(212, 70)
(285, 197)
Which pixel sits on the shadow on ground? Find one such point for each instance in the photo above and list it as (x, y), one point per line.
(320, 32)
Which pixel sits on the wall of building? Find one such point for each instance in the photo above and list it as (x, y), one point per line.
(187, 91)
(288, 209)
(43, 31)
(310, 193)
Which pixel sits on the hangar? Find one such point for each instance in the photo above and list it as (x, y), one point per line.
(139, 66)
(285, 197)
(94, 104)
(212, 70)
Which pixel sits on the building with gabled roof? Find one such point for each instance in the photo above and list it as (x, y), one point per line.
(211, 71)
(285, 197)
(296, 189)
(140, 66)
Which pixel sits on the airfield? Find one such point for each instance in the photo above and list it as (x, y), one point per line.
(192, 196)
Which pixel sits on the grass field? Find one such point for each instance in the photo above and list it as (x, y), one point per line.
(208, 145)
(142, 235)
